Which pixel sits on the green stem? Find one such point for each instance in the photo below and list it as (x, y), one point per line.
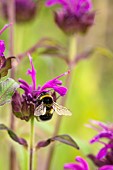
(31, 143)
(72, 51)
(72, 47)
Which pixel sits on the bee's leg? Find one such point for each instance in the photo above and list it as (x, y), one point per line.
(57, 97)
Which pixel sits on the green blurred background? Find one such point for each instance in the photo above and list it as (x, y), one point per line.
(90, 91)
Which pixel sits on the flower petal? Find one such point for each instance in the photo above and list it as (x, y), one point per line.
(98, 123)
(2, 47)
(83, 162)
(54, 2)
(103, 152)
(106, 167)
(25, 86)
(61, 90)
(32, 72)
(105, 134)
(56, 85)
(72, 166)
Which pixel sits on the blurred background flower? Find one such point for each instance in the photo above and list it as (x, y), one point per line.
(105, 154)
(25, 9)
(74, 16)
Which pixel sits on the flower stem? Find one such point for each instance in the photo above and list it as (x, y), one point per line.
(11, 15)
(72, 48)
(31, 143)
(72, 53)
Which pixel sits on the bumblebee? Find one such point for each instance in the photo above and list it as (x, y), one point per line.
(46, 107)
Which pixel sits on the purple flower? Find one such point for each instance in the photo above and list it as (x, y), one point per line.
(5, 64)
(83, 165)
(2, 48)
(106, 167)
(105, 154)
(25, 9)
(74, 16)
(24, 106)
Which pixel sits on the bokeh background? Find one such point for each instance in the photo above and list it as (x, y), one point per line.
(89, 95)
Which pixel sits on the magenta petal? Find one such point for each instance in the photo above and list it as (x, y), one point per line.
(72, 166)
(83, 162)
(75, 6)
(23, 82)
(108, 135)
(100, 124)
(32, 72)
(83, 165)
(86, 5)
(106, 167)
(61, 90)
(2, 47)
(25, 86)
(54, 2)
(56, 85)
(102, 153)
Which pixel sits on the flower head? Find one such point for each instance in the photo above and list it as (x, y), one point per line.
(5, 64)
(105, 154)
(74, 16)
(25, 9)
(24, 106)
(83, 165)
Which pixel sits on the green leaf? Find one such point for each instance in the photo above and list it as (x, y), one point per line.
(13, 136)
(7, 88)
(66, 139)
(104, 52)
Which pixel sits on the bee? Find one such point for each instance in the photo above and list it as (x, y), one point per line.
(46, 107)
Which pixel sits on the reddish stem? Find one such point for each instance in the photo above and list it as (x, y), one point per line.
(4, 28)
(11, 15)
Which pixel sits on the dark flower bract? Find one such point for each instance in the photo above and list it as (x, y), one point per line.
(25, 10)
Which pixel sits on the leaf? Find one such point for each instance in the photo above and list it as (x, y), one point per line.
(84, 55)
(104, 52)
(89, 52)
(55, 52)
(66, 139)
(47, 46)
(6, 66)
(7, 88)
(13, 136)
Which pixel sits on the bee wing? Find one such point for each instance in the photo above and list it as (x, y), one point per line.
(61, 110)
(40, 110)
